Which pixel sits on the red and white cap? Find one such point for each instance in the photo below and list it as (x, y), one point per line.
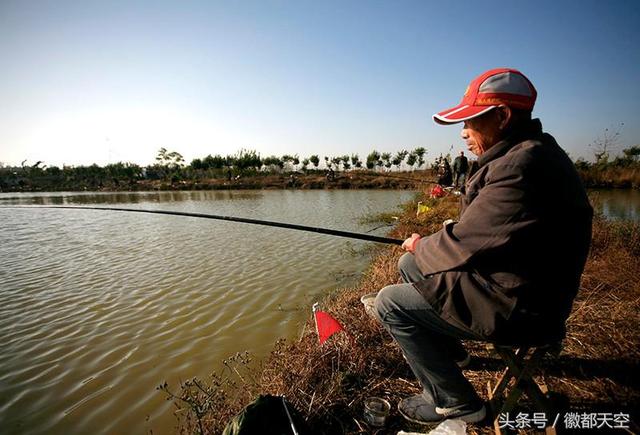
(497, 86)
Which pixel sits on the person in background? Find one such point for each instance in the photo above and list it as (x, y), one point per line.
(460, 168)
(508, 270)
(445, 178)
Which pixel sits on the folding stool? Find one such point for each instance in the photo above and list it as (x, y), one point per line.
(520, 361)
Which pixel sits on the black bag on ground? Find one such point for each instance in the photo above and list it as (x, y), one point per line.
(267, 415)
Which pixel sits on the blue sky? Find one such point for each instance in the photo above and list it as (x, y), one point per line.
(98, 82)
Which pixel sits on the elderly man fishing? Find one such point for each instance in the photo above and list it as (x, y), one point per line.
(508, 270)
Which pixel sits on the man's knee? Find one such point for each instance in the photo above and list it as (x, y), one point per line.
(393, 300)
(382, 303)
(408, 268)
(406, 263)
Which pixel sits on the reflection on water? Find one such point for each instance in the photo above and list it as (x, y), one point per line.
(111, 198)
(618, 204)
(97, 308)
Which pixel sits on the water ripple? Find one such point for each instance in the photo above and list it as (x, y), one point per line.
(98, 308)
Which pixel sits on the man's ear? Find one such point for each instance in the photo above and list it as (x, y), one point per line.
(504, 115)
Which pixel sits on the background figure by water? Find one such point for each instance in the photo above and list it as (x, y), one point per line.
(444, 173)
(460, 168)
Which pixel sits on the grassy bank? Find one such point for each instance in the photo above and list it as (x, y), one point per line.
(311, 180)
(99, 179)
(611, 176)
(594, 373)
(126, 179)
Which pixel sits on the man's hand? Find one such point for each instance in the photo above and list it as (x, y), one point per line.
(409, 245)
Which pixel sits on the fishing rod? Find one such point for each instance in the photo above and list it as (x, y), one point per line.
(347, 234)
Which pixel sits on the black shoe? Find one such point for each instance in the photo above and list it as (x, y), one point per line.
(417, 410)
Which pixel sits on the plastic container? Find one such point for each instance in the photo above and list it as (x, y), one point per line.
(376, 411)
(450, 427)
(447, 427)
(368, 301)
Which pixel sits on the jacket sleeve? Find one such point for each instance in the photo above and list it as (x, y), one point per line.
(489, 223)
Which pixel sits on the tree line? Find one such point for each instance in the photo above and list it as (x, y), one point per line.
(608, 169)
(247, 160)
(170, 166)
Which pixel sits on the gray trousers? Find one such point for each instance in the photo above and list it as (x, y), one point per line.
(459, 178)
(430, 345)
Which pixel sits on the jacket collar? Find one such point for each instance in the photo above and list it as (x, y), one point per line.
(529, 130)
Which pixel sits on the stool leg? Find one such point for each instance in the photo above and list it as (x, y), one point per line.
(509, 373)
(516, 365)
(496, 394)
(520, 368)
(526, 384)
(549, 430)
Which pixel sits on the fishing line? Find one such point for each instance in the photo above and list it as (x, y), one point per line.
(338, 233)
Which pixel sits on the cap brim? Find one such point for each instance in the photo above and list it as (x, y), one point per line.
(460, 113)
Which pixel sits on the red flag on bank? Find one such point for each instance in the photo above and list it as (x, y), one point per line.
(325, 324)
(437, 191)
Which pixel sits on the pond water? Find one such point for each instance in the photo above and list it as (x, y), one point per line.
(97, 308)
(617, 204)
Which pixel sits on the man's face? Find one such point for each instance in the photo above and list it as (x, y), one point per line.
(483, 132)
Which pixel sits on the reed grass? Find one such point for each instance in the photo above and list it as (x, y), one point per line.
(611, 176)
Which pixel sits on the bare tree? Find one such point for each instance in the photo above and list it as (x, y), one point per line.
(606, 143)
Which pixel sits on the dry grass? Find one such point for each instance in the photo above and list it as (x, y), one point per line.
(594, 373)
(611, 176)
